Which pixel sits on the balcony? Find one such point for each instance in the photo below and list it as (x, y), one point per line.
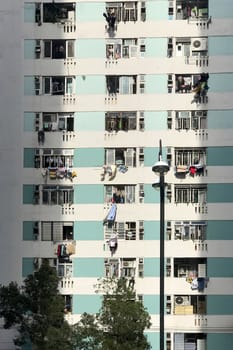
(54, 49)
(129, 268)
(190, 194)
(189, 304)
(190, 162)
(125, 231)
(124, 194)
(124, 49)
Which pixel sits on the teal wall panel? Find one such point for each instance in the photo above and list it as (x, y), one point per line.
(28, 194)
(29, 12)
(151, 155)
(86, 303)
(156, 47)
(154, 339)
(155, 120)
(220, 119)
(28, 157)
(151, 230)
(90, 48)
(29, 121)
(219, 267)
(221, 82)
(88, 267)
(220, 305)
(90, 12)
(151, 195)
(151, 267)
(220, 45)
(27, 266)
(156, 10)
(89, 194)
(89, 230)
(151, 303)
(90, 157)
(29, 49)
(156, 84)
(221, 9)
(29, 86)
(220, 193)
(28, 230)
(91, 121)
(90, 84)
(219, 230)
(220, 156)
(216, 341)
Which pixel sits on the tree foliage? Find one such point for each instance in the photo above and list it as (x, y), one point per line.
(120, 323)
(37, 310)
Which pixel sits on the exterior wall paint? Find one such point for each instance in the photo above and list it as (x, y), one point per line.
(220, 119)
(90, 12)
(155, 120)
(29, 12)
(151, 230)
(153, 338)
(90, 85)
(220, 305)
(90, 48)
(223, 9)
(221, 82)
(156, 47)
(29, 121)
(90, 194)
(151, 195)
(151, 303)
(219, 341)
(28, 230)
(151, 267)
(29, 157)
(88, 230)
(27, 266)
(29, 89)
(29, 49)
(86, 303)
(220, 156)
(156, 10)
(219, 267)
(88, 267)
(28, 194)
(156, 83)
(91, 121)
(90, 157)
(220, 193)
(220, 45)
(220, 230)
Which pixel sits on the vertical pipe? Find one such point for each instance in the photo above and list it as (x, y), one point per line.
(162, 186)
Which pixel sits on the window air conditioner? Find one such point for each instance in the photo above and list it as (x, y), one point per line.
(199, 44)
(182, 300)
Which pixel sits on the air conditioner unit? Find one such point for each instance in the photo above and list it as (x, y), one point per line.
(199, 44)
(182, 300)
(128, 263)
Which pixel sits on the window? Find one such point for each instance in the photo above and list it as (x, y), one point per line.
(58, 49)
(116, 121)
(57, 85)
(195, 120)
(124, 11)
(58, 12)
(186, 230)
(190, 193)
(192, 156)
(120, 194)
(124, 230)
(54, 158)
(121, 84)
(121, 156)
(57, 122)
(57, 231)
(57, 195)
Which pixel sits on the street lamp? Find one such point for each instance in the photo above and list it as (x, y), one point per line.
(161, 168)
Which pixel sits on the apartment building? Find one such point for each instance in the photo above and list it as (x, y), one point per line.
(88, 90)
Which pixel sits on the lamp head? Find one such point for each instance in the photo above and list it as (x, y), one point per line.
(160, 167)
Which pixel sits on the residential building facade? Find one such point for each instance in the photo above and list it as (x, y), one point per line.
(88, 90)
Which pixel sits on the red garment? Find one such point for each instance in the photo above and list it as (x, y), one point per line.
(192, 170)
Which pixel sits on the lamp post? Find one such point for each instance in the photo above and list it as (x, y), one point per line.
(161, 168)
